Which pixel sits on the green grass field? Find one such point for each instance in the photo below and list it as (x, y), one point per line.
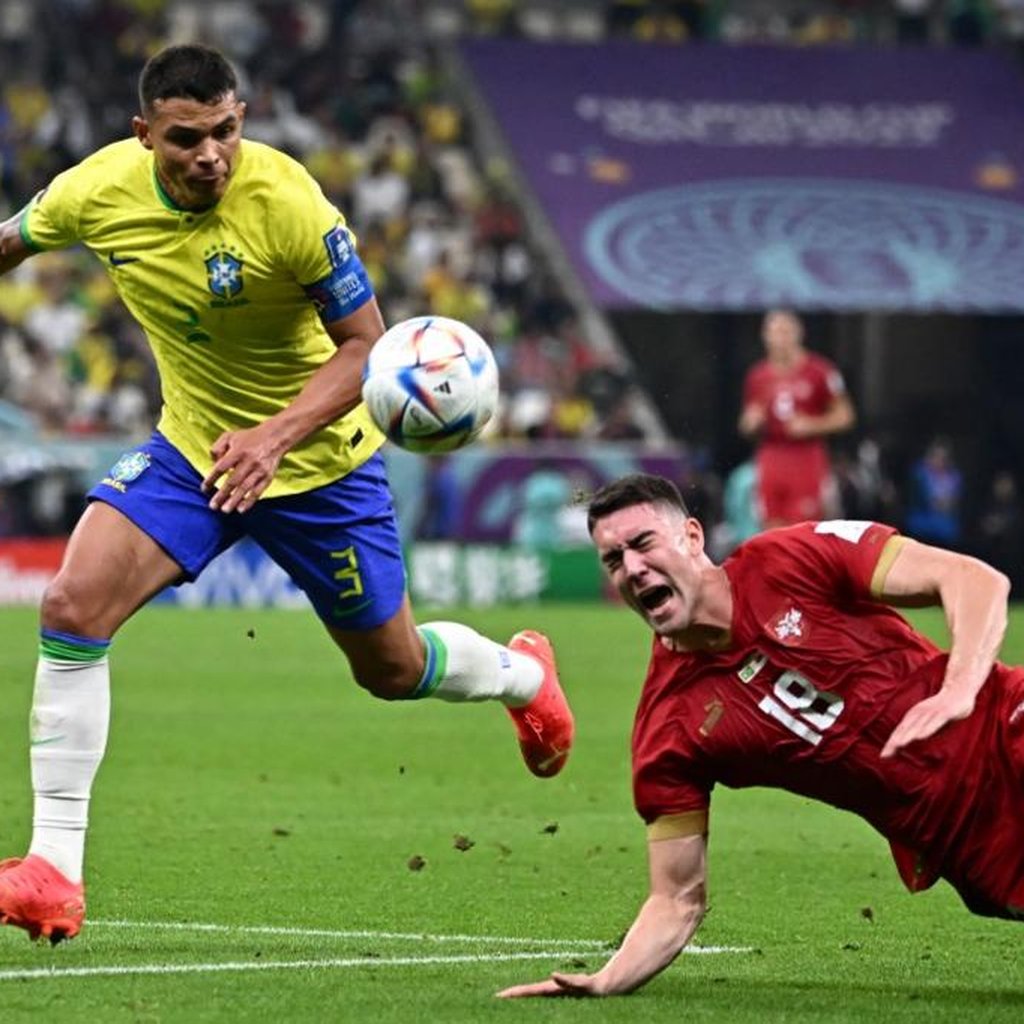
(250, 787)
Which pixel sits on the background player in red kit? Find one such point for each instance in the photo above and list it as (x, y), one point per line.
(792, 400)
(786, 667)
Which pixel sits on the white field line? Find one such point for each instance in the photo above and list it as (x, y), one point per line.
(270, 965)
(568, 947)
(114, 970)
(329, 933)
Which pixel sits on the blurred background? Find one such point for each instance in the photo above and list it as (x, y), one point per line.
(613, 194)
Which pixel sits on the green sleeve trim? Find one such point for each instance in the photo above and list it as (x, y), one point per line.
(26, 235)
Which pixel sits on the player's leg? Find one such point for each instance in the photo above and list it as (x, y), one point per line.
(340, 543)
(397, 660)
(149, 525)
(770, 491)
(447, 660)
(110, 568)
(808, 474)
(830, 500)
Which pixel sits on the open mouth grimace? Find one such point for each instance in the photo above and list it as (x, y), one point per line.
(654, 596)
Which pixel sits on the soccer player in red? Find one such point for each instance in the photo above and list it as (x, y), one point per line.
(792, 400)
(786, 666)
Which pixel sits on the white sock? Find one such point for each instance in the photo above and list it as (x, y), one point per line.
(70, 718)
(463, 665)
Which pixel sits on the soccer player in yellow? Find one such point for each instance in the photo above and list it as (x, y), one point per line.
(260, 315)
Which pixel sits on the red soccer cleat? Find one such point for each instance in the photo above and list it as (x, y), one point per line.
(545, 726)
(35, 896)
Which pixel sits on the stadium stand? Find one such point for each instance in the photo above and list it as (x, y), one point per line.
(352, 92)
(368, 96)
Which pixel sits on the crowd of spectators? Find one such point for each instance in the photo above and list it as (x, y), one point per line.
(354, 92)
(357, 91)
(923, 494)
(799, 22)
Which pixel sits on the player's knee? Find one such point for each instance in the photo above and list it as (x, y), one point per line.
(63, 608)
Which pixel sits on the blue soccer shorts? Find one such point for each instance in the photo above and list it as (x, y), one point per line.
(339, 543)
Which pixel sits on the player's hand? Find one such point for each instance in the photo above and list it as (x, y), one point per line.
(926, 718)
(565, 985)
(800, 427)
(752, 419)
(245, 463)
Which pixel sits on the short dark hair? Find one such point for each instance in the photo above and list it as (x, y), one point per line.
(192, 72)
(634, 489)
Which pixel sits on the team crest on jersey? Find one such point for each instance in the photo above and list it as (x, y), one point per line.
(225, 265)
(224, 274)
(789, 626)
(129, 467)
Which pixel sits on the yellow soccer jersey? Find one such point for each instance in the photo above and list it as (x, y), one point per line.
(226, 296)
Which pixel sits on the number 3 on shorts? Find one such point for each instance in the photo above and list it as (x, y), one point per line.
(348, 575)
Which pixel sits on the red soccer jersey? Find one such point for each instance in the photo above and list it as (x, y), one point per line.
(815, 679)
(807, 390)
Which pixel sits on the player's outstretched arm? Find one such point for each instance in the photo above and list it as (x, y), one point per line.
(13, 249)
(246, 460)
(973, 596)
(665, 924)
(840, 416)
(751, 420)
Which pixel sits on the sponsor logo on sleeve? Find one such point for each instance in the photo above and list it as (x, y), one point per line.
(339, 246)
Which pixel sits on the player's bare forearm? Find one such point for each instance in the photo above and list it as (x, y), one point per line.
(13, 249)
(973, 596)
(751, 420)
(665, 924)
(839, 417)
(975, 603)
(661, 930)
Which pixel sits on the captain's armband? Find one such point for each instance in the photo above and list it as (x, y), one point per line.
(676, 826)
(347, 286)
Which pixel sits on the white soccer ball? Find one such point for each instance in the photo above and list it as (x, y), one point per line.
(431, 384)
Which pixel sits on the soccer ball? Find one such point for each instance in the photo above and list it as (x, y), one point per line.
(431, 384)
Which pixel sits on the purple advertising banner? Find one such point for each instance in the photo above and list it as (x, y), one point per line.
(714, 177)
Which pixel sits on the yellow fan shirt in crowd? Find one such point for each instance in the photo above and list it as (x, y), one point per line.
(225, 295)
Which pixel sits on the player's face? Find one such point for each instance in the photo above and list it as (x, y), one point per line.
(195, 145)
(782, 335)
(655, 557)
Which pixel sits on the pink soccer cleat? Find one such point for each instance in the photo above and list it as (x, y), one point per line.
(35, 896)
(545, 726)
